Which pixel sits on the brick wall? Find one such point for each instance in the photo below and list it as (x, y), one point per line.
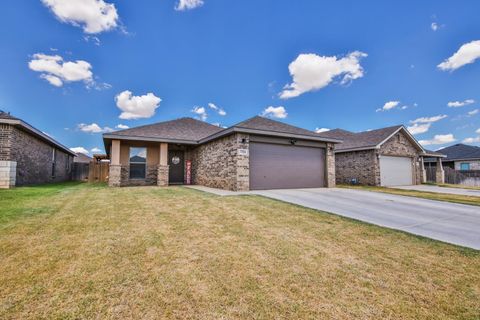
(5, 141)
(217, 164)
(34, 160)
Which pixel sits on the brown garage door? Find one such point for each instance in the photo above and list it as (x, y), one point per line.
(275, 166)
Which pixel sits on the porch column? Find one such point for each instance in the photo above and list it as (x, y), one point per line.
(162, 174)
(424, 172)
(115, 172)
(439, 173)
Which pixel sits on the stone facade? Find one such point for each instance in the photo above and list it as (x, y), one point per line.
(474, 164)
(218, 164)
(8, 170)
(36, 161)
(364, 165)
(330, 165)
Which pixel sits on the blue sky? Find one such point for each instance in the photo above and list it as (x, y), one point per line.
(156, 60)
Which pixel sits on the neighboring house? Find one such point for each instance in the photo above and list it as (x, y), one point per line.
(383, 157)
(82, 158)
(460, 157)
(29, 156)
(258, 153)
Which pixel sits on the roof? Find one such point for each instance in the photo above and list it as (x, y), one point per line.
(9, 119)
(180, 130)
(362, 140)
(82, 158)
(461, 152)
(192, 131)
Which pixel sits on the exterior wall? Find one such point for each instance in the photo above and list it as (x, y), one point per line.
(330, 165)
(400, 145)
(218, 164)
(360, 165)
(29, 160)
(474, 164)
(365, 165)
(120, 174)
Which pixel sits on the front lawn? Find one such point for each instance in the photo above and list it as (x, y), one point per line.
(455, 198)
(78, 251)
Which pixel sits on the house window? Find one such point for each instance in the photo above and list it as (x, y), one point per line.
(54, 159)
(138, 163)
(465, 166)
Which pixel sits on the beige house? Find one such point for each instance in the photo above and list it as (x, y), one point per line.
(258, 153)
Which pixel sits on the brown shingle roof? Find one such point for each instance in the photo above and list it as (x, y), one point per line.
(7, 116)
(360, 140)
(181, 129)
(265, 124)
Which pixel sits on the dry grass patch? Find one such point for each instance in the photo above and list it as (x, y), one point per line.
(448, 197)
(148, 253)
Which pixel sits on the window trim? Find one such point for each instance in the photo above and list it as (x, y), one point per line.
(464, 163)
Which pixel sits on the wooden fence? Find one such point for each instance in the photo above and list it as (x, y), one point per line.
(91, 172)
(467, 178)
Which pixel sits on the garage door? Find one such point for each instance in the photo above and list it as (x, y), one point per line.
(396, 171)
(275, 166)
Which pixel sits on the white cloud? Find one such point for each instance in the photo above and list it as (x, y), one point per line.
(478, 131)
(121, 126)
(471, 140)
(79, 150)
(434, 26)
(57, 71)
(419, 128)
(438, 139)
(311, 72)
(96, 150)
(389, 106)
(183, 5)
(457, 104)
(200, 112)
(429, 119)
(219, 110)
(473, 112)
(93, 16)
(320, 130)
(93, 128)
(275, 112)
(136, 107)
(467, 54)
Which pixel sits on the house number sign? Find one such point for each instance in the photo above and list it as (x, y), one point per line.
(243, 152)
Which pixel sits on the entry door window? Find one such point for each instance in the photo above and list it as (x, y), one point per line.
(138, 163)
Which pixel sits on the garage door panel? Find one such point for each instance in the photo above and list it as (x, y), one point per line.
(275, 166)
(396, 171)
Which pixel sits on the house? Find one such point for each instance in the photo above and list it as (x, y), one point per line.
(258, 153)
(460, 157)
(29, 156)
(81, 158)
(384, 157)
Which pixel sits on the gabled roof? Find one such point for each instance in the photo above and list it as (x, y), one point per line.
(9, 119)
(179, 130)
(460, 152)
(365, 140)
(192, 131)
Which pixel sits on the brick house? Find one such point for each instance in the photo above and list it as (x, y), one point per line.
(383, 157)
(258, 153)
(460, 157)
(29, 156)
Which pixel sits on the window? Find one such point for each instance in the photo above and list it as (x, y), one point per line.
(54, 159)
(138, 163)
(465, 166)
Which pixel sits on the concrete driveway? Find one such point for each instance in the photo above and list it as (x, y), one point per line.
(454, 223)
(437, 189)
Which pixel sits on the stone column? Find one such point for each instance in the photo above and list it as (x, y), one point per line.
(242, 161)
(8, 174)
(439, 173)
(163, 169)
(330, 165)
(423, 171)
(115, 173)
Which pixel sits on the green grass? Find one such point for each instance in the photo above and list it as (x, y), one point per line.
(455, 198)
(76, 251)
(458, 186)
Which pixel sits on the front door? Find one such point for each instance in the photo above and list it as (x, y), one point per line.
(176, 169)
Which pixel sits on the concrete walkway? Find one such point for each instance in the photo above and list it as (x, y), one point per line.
(449, 222)
(437, 189)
